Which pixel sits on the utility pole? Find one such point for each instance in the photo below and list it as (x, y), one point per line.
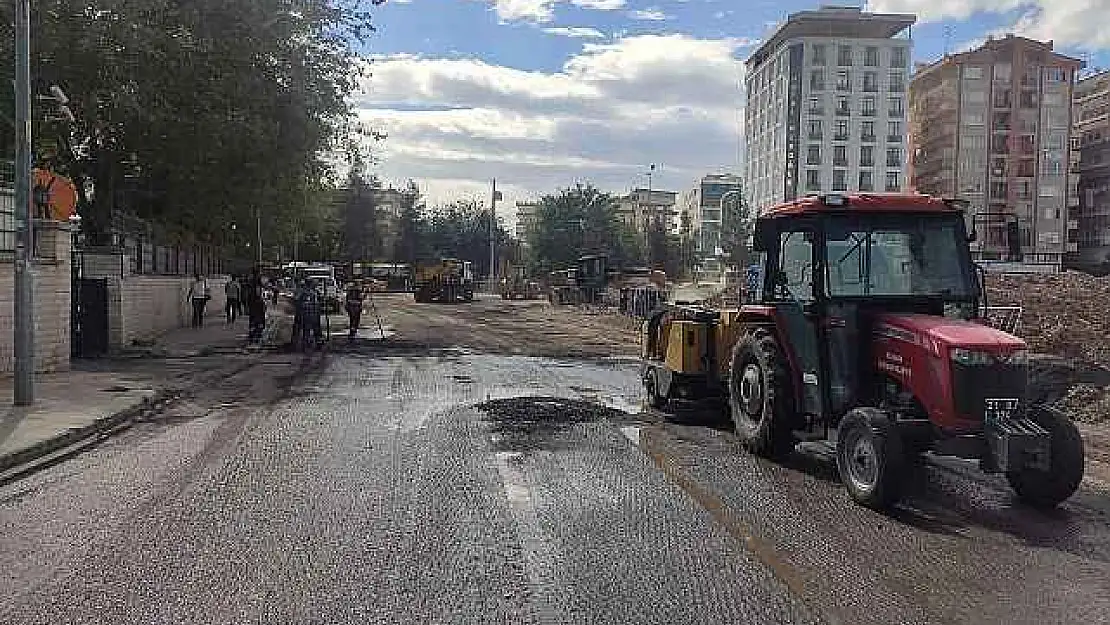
(494, 196)
(24, 386)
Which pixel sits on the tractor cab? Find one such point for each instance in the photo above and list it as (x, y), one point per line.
(835, 267)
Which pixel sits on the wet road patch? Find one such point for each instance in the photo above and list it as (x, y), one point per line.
(533, 423)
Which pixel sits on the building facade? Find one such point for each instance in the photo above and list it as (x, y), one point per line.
(1091, 137)
(701, 206)
(826, 106)
(525, 220)
(992, 126)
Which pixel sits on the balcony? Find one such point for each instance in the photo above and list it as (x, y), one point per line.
(843, 112)
(867, 138)
(869, 113)
(894, 138)
(840, 137)
(816, 136)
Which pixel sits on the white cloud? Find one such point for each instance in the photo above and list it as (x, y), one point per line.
(648, 15)
(543, 10)
(610, 110)
(578, 32)
(1069, 22)
(599, 5)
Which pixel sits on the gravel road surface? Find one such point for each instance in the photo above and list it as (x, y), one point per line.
(491, 463)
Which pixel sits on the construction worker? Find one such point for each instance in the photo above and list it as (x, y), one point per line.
(354, 308)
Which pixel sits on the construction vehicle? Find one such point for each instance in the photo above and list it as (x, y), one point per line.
(863, 341)
(449, 280)
(586, 283)
(515, 284)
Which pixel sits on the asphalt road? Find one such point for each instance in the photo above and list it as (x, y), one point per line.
(461, 473)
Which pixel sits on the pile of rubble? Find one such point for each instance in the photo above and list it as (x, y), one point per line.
(1064, 315)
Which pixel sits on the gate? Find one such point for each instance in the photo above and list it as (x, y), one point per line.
(89, 313)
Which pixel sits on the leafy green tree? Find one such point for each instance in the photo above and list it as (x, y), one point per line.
(361, 215)
(411, 226)
(192, 115)
(575, 222)
(462, 230)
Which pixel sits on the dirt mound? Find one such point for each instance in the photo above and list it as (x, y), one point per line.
(1063, 314)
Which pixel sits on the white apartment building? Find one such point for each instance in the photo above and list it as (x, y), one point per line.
(826, 106)
(702, 205)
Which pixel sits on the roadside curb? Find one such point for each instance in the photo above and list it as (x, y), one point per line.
(25, 461)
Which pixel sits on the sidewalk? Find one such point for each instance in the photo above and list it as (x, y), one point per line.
(98, 396)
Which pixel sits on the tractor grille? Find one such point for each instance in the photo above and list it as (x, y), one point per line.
(972, 385)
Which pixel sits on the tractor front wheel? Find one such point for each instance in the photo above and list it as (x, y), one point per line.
(1047, 489)
(869, 457)
(759, 395)
(651, 387)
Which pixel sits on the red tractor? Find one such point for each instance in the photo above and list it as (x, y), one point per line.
(863, 338)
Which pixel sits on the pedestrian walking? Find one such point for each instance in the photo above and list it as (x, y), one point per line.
(307, 308)
(233, 292)
(256, 309)
(198, 298)
(354, 308)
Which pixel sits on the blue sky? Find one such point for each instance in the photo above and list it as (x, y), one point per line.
(544, 93)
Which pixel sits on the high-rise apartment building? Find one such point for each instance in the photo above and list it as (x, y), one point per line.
(1092, 134)
(525, 220)
(992, 126)
(701, 206)
(826, 105)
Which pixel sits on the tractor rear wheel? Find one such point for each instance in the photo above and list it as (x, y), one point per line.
(869, 457)
(1046, 489)
(759, 395)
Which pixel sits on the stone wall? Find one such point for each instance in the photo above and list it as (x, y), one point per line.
(143, 307)
(51, 278)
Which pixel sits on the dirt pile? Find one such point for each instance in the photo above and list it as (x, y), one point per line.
(1063, 314)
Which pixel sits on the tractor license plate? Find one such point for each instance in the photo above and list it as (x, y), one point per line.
(999, 411)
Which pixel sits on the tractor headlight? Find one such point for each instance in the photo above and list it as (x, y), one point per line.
(971, 358)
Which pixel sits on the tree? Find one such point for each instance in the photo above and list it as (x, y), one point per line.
(361, 234)
(462, 230)
(192, 115)
(410, 227)
(736, 232)
(577, 221)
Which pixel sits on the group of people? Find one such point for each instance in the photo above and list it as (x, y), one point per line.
(245, 295)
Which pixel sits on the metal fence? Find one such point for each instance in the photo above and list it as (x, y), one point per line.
(7, 206)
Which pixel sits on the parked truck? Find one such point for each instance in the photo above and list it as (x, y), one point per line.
(448, 280)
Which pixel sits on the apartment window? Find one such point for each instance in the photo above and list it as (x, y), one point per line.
(866, 182)
(974, 118)
(818, 51)
(895, 107)
(894, 157)
(1024, 190)
(816, 106)
(813, 180)
(894, 132)
(1053, 142)
(840, 180)
(1002, 99)
(867, 131)
(1054, 99)
(1027, 168)
(1028, 99)
(843, 80)
(898, 57)
(897, 82)
(842, 106)
(869, 106)
(1030, 76)
(817, 80)
(974, 96)
(840, 156)
(973, 72)
(1055, 74)
(814, 129)
(813, 155)
(972, 186)
(1002, 72)
(893, 181)
(841, 130)
(871, 56)
(870, 81)
(998, 190)
(844, 55)
(867, 156)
